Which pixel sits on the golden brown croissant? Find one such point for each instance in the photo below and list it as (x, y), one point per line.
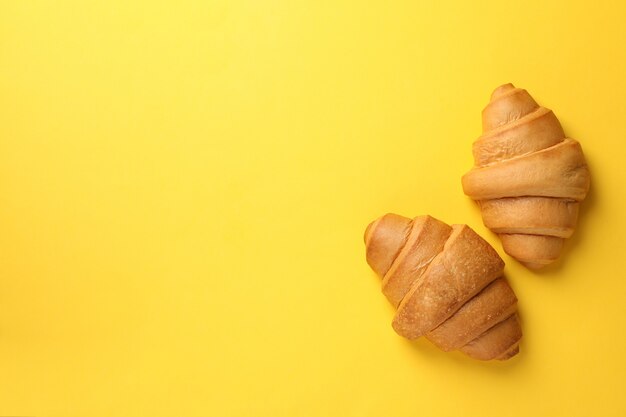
(528, 177)
(446, 283)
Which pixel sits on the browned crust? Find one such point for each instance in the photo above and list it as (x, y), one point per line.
(443, 280)
(497, 342)
(527, 176)
(492, 305)
(465, 266)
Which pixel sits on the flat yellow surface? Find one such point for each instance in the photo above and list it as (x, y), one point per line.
(184, 187)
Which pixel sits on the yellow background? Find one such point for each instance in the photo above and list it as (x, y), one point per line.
(184, 187)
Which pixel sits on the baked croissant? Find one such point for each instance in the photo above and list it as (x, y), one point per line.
(528, 178)
(446, 283)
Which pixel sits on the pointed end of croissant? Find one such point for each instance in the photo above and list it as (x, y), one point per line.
(533, 265)
(508, 103)
(533, 251)
(509, 354)
(498, 342)
(383, 239)
(501, 90)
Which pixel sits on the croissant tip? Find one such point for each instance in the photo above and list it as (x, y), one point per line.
(499, 91)
(535, 266)
(509, 354)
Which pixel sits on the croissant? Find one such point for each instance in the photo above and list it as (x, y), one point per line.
(528, 178)
(446, 284)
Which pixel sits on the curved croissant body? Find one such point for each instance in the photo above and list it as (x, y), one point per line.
(528, 177)
(446, 283)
